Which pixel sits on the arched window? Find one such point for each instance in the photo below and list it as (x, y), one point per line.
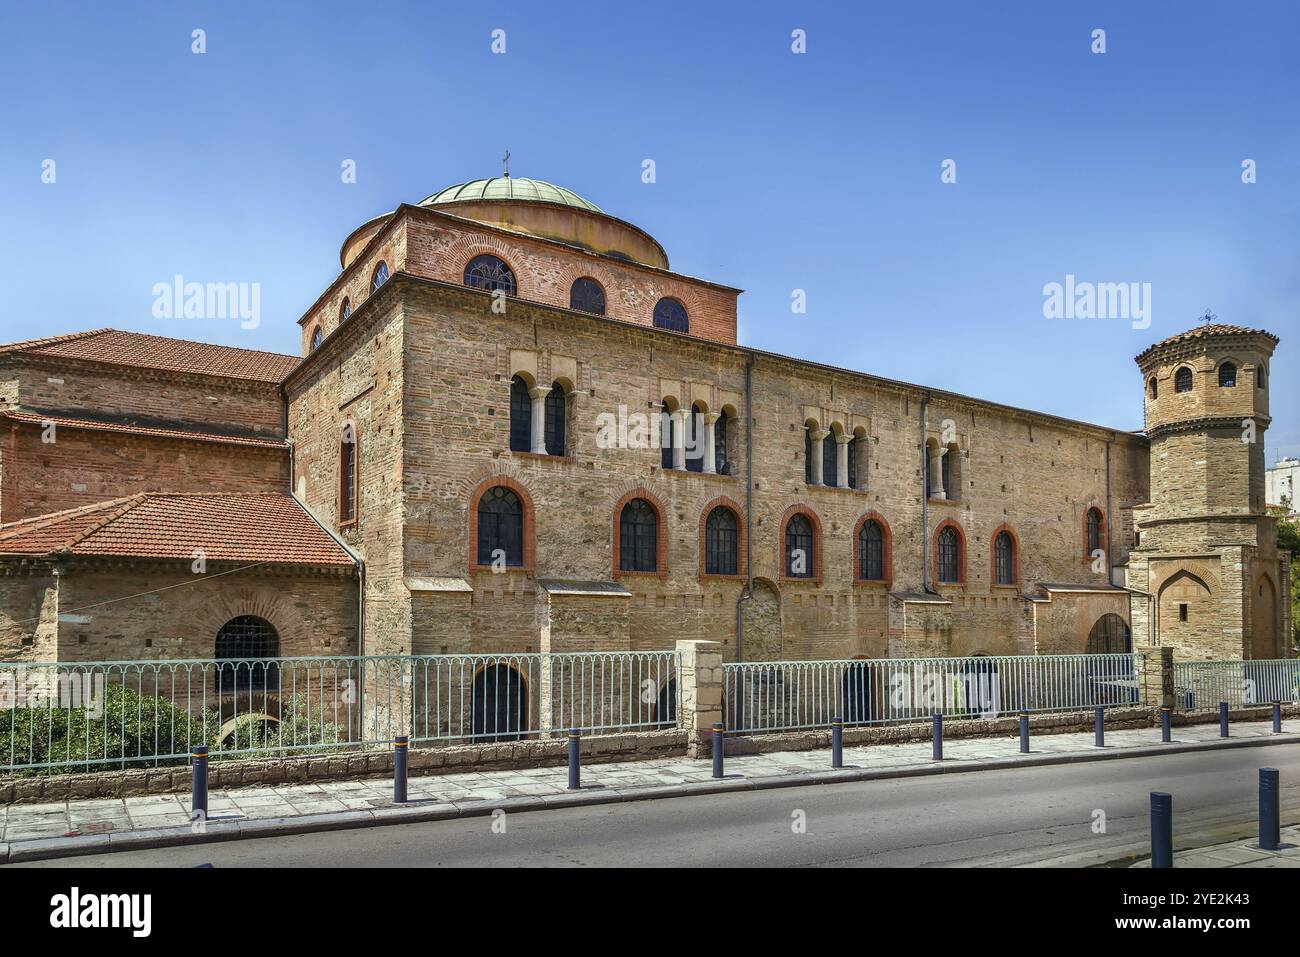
(1093, 531)
(500, 527)
(1110, 635)
(721, 542)
(348, 464)
(694, 439)
(521, 416)
(807, 454)
(871, 551)
(1261, 374)
(499, 704)
(317, 337)
(852, 452)
(345, 310)
(830, 469)
(1154, 387)
(949, 556)
(556, 413)
(1183, 380)
(638, 537)
(799, 545)
(490, 273)
(665, 436)
(1227, 375)
(243, 638)
(671, 314)
(1004, 559)
(586, 295)
(380, 277)
(720, 444)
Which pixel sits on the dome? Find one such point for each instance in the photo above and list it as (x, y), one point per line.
(513, 188)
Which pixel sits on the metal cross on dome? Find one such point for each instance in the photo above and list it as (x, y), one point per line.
(1207, 318)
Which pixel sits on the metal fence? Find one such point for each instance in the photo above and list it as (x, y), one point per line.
(63, 717)
(1203, 684)
(793, 695)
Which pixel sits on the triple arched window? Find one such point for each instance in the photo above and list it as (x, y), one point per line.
(488, 272)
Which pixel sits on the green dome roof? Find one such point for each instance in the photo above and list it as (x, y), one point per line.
(516, 188)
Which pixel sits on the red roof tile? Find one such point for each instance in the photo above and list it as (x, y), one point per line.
(115, 347)
(127, 428)
(234, 527)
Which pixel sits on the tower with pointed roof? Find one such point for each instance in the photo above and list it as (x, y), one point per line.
(1206, 558)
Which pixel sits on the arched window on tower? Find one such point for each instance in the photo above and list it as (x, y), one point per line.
(799, 545)
(490, 273)
(500, 527)
(1004, 559)
(1154, 387)
(1261, 375)
(1183, 380)
(720, 542)
(556, 413)
(521, 416)
(1227, 375)
(586, 295)
(671, 314)
(638, 537)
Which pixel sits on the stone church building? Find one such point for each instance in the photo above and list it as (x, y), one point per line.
(514, 428)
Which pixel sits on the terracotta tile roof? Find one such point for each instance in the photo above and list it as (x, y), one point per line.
(129, 428)
(1201, 332)
(233, 527)
(115, 347)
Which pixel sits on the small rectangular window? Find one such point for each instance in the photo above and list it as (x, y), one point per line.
(1182, 612)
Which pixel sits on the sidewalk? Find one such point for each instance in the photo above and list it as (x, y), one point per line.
(35, 831)
(1241, 853)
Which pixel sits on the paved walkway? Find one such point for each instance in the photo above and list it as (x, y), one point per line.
(72, 827)
(1241, 853)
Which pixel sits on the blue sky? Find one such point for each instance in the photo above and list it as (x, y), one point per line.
(775, 171)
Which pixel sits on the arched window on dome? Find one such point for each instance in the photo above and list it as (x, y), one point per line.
(671, 314)
(490, 273)
(586, 295)
(1227, 375)
(380, 277)
(1183, 380)
(345, 310)
(317, 337)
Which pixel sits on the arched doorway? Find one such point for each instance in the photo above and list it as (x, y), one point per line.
(1110, 635)
(242, 647)
(1263, 620)
(500, 704)
(1185, 609)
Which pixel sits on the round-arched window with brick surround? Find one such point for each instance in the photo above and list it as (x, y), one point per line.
(242, 648)
(490, 273)
(720, 542)
(671, 314)
(1004, 559)
(1154, 387)
(317, 337)
(949, 556)
(871, 551)
(380, 277)
(799, 554)
(586, 295)
(1227, 375)
(1183, 380)
(638, 537)
(500, 527)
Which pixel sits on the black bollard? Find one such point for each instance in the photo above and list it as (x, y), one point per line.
(1277, 717)
(717, 750)
(837, 742)
(1099, 727)
(1162, 829)
(575, 758)
(1165, 730)
(1024, 733)
(1223, 719)
(401, 744)
(1270, 822)
(938, 736)
(199, 782)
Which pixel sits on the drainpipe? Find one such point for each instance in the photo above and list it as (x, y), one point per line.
(925, 504)
(748, 594)
(1110, 564)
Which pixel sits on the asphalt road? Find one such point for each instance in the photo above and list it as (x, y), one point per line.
(996, 818)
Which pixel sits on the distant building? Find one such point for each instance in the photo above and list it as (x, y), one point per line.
(1282, 481)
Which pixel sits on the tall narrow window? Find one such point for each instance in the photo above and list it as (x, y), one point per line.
(720, 445)
(852, 452)
(1261, 374)
(348, 474)
(500, 527)
(521, 416)
(1004, 560)
(799, 546)
(317, 337)
(945, 469)
(807, 454)
(671, 314)
(1227, 375)
(490, 273)
(1183, 380)
(949, 556)
(380, 277)
(1155, 388)
(1093, 531)
(556, 413)
(830, 467)
(694, 439)
(638, 537)
(345, 310)
(665, 437)
(871, 551)
(586, 295)
(720, 542)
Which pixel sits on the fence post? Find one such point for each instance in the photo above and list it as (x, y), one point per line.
(575, 757)
(1024, 732)
(837, 742)
(1165, 721)
(199, 781)
(1099, 727)
(937, 736)
(401, 744)
(1155, 676)
(1162, 829)
(1277, 717)
(1269, 813)
(1223, 719)
(699, 680)
(719, 740)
